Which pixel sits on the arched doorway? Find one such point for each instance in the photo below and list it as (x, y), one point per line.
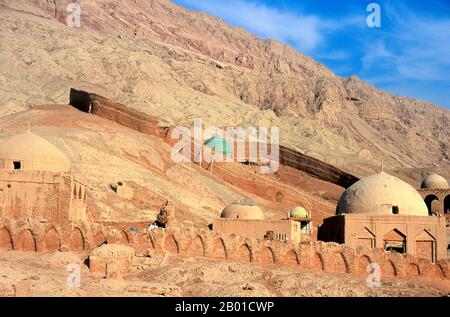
(395, 240)
(76, 240)
(316, 262)
(447, 205)
(291, 258)
(196, 247)
(219, 251)
(25, 241)
(244, 254)
(388, 269)
(366, 239)
(432, 202)
(362, 264)
(171, 244)
(51, 241)
(5, 240)
(426, 246)
(266, 256)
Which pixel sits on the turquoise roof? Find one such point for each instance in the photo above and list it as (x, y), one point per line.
(219, 144)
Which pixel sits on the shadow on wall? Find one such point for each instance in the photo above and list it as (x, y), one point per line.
(320, 256)
(311, 255)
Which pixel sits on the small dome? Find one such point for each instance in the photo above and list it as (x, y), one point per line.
(381, 194)
(219, 144)
(243, 209)
(27, 151)
(298, 213)
(434, 181)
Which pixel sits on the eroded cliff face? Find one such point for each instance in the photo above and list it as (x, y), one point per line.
(177, 65)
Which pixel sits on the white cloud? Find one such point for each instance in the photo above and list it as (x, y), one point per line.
(409, 46)
(335, 55)
(373, 53)
(415, 48)
(302, 31)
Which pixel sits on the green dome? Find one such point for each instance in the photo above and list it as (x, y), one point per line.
(219, 144)
(298, 212)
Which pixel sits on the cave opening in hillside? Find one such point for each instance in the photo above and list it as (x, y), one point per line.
(81, 100)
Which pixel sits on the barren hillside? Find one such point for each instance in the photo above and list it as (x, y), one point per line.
(134, 60)
(178, 65)
(40, 274)
(103, 152)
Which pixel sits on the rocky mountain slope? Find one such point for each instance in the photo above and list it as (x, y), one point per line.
(178, 65)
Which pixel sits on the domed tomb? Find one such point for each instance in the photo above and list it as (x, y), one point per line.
(243, 209)
(27, 151)
(298, 213)
(381, 194)
(434, 181)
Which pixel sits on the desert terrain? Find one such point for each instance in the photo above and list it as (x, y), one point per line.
(31, 274)
(177, 65)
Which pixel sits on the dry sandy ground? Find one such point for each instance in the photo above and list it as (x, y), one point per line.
(164, 275)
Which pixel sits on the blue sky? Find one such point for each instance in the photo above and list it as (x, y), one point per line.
(408, 55)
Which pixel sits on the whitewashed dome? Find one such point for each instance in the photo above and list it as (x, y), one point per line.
(434, 181)
(298, 213)
(243, 209)
(381, 194)
(27, 151)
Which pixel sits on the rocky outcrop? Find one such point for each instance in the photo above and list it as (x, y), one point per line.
(139, 121)
(14, 287)
(315, 167)
(111, 261)
(126, 116)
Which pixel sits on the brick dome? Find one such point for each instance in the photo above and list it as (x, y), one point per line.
(434, 181)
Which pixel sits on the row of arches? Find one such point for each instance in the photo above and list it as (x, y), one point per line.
(422, 244)
(51, 240)
(313, 256)
(434, 204)
(335, 262)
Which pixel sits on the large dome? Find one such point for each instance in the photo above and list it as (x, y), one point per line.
(381, 194)
(27, 151)
(243, 209)
(434, 181)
